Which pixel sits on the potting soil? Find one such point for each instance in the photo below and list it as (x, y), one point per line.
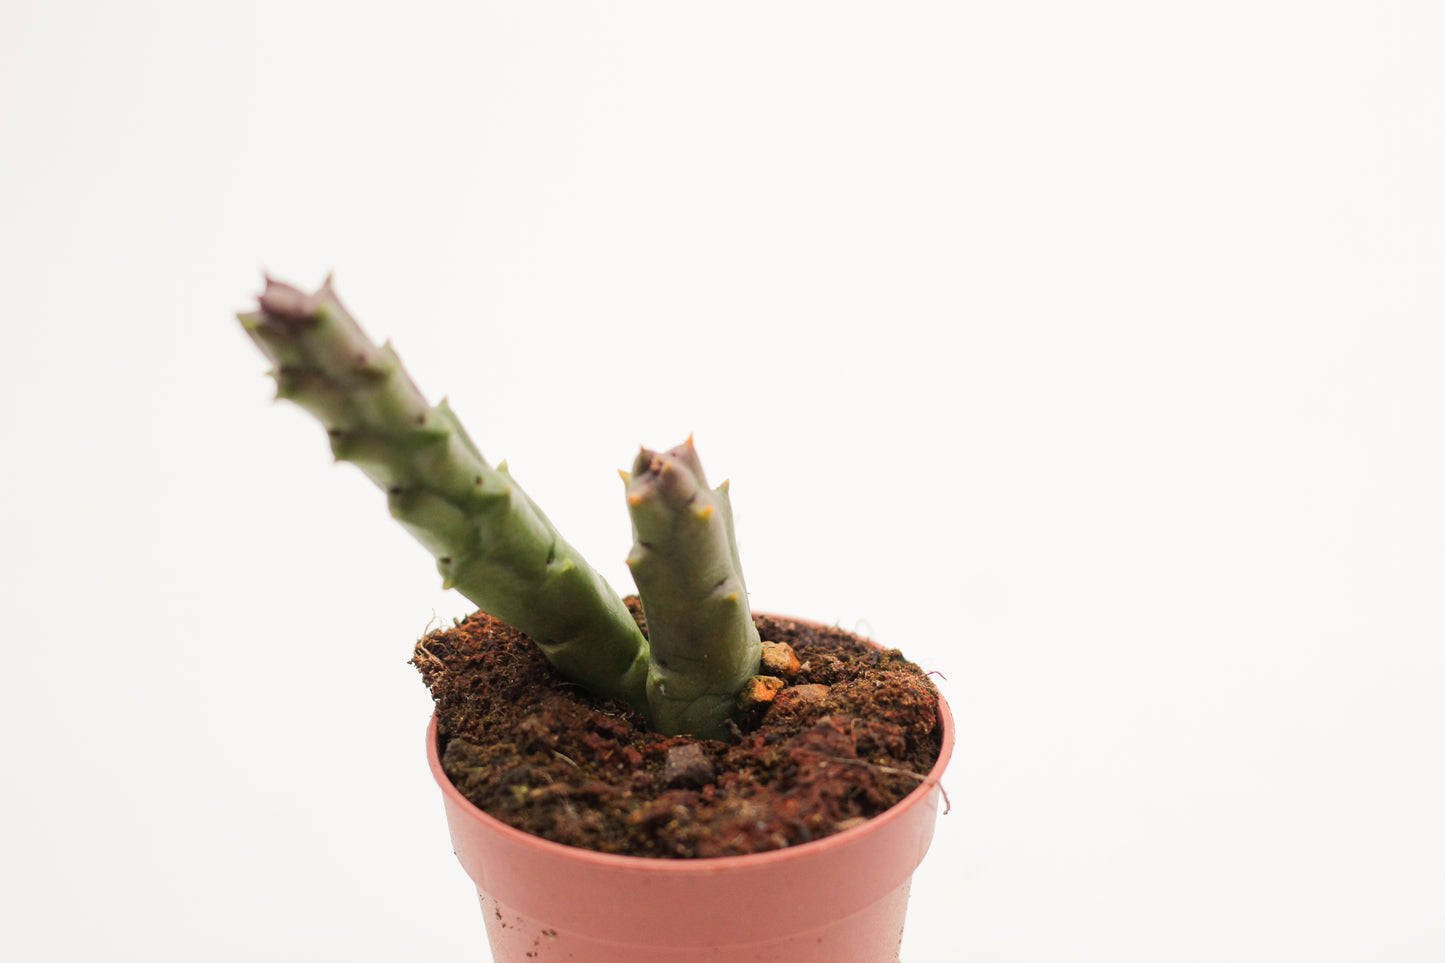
(850, 735)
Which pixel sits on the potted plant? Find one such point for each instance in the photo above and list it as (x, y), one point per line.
(692, 735)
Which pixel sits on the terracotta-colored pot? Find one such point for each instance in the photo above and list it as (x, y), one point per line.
(840, 899)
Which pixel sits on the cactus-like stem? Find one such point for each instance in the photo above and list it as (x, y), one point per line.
(685, 562)
(490, 540)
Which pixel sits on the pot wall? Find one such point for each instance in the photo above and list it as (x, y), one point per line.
(840, 899)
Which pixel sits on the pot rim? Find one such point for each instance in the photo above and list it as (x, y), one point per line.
(705, 864)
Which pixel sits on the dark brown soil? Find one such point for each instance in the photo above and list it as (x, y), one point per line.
(850, 736)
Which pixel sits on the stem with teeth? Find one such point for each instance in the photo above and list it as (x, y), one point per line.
(491, 541)
(685, 563)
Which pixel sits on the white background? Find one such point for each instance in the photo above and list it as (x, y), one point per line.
(1089, 352)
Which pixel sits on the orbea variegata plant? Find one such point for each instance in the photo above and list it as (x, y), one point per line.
(496, 547)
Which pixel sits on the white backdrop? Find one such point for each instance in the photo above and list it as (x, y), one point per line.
(1090, 353)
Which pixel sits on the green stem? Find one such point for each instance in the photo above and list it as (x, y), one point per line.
(685, 563)
(491, 542)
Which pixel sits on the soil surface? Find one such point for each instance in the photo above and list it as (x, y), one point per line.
(850, 735)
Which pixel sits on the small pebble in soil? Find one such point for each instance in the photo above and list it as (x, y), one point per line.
(780, 660)
(758, 691)
(687, 767)
(798, 695)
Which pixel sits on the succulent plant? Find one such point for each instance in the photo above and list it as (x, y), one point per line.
(684, 560)
(495, 546)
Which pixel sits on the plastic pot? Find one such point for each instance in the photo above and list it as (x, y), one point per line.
(840, 899)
